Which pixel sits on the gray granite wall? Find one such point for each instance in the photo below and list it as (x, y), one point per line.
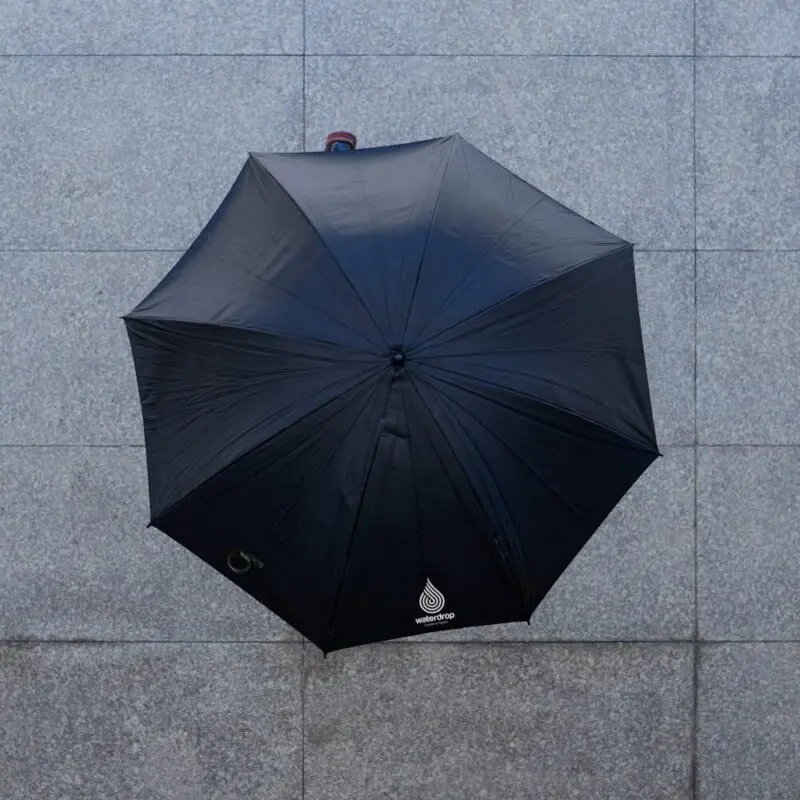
(666, 662)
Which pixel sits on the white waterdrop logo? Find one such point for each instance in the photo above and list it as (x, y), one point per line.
(431, 601)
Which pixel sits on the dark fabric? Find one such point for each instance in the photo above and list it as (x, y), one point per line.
(406, 384)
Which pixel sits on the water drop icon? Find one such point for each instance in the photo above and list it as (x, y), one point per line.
(431, 601)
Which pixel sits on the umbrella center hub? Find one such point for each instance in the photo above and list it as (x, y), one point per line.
(398, 358)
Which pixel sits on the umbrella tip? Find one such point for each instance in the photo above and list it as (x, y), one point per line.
(340, 140)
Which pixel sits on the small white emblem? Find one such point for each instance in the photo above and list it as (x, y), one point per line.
(431, 601)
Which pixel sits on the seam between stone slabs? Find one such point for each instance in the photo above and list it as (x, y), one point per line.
(480, 642)
(672, 446)
(73, 446)
(151, 55)
(93, 642)
(390, 55)
(540, 55)
(703, 445)
(747, 250)
(696, 632)
(303, 54)
(304, 94)
(303, 723)
(179, 250)
(90, 250)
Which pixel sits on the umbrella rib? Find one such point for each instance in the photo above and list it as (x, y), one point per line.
(384, 294)
(623, 438)
(305, 302)
(317, 476)
(255, 275)
(477, 260)
(528, 466)
(171, 508)
(519, 350)
(428, 236)
(520, 581)
(335, 260)
(428, 343)
(356, 520)
(414, 483)
(542, 378)
(245, 328)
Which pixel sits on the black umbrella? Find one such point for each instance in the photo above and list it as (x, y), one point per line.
(392, 390)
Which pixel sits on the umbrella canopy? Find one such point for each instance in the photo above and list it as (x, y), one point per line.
(392, 390)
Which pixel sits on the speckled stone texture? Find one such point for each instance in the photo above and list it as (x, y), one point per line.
(748, 520)
(151, 26)
(78, 562)
(749, 704)
(748, 153)
(68, 375)
(517, 722)
(150, 722)
(609, 138)
(133, 153)
(748, 348)
(748, 27)
(665, 285)
(624, 27)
